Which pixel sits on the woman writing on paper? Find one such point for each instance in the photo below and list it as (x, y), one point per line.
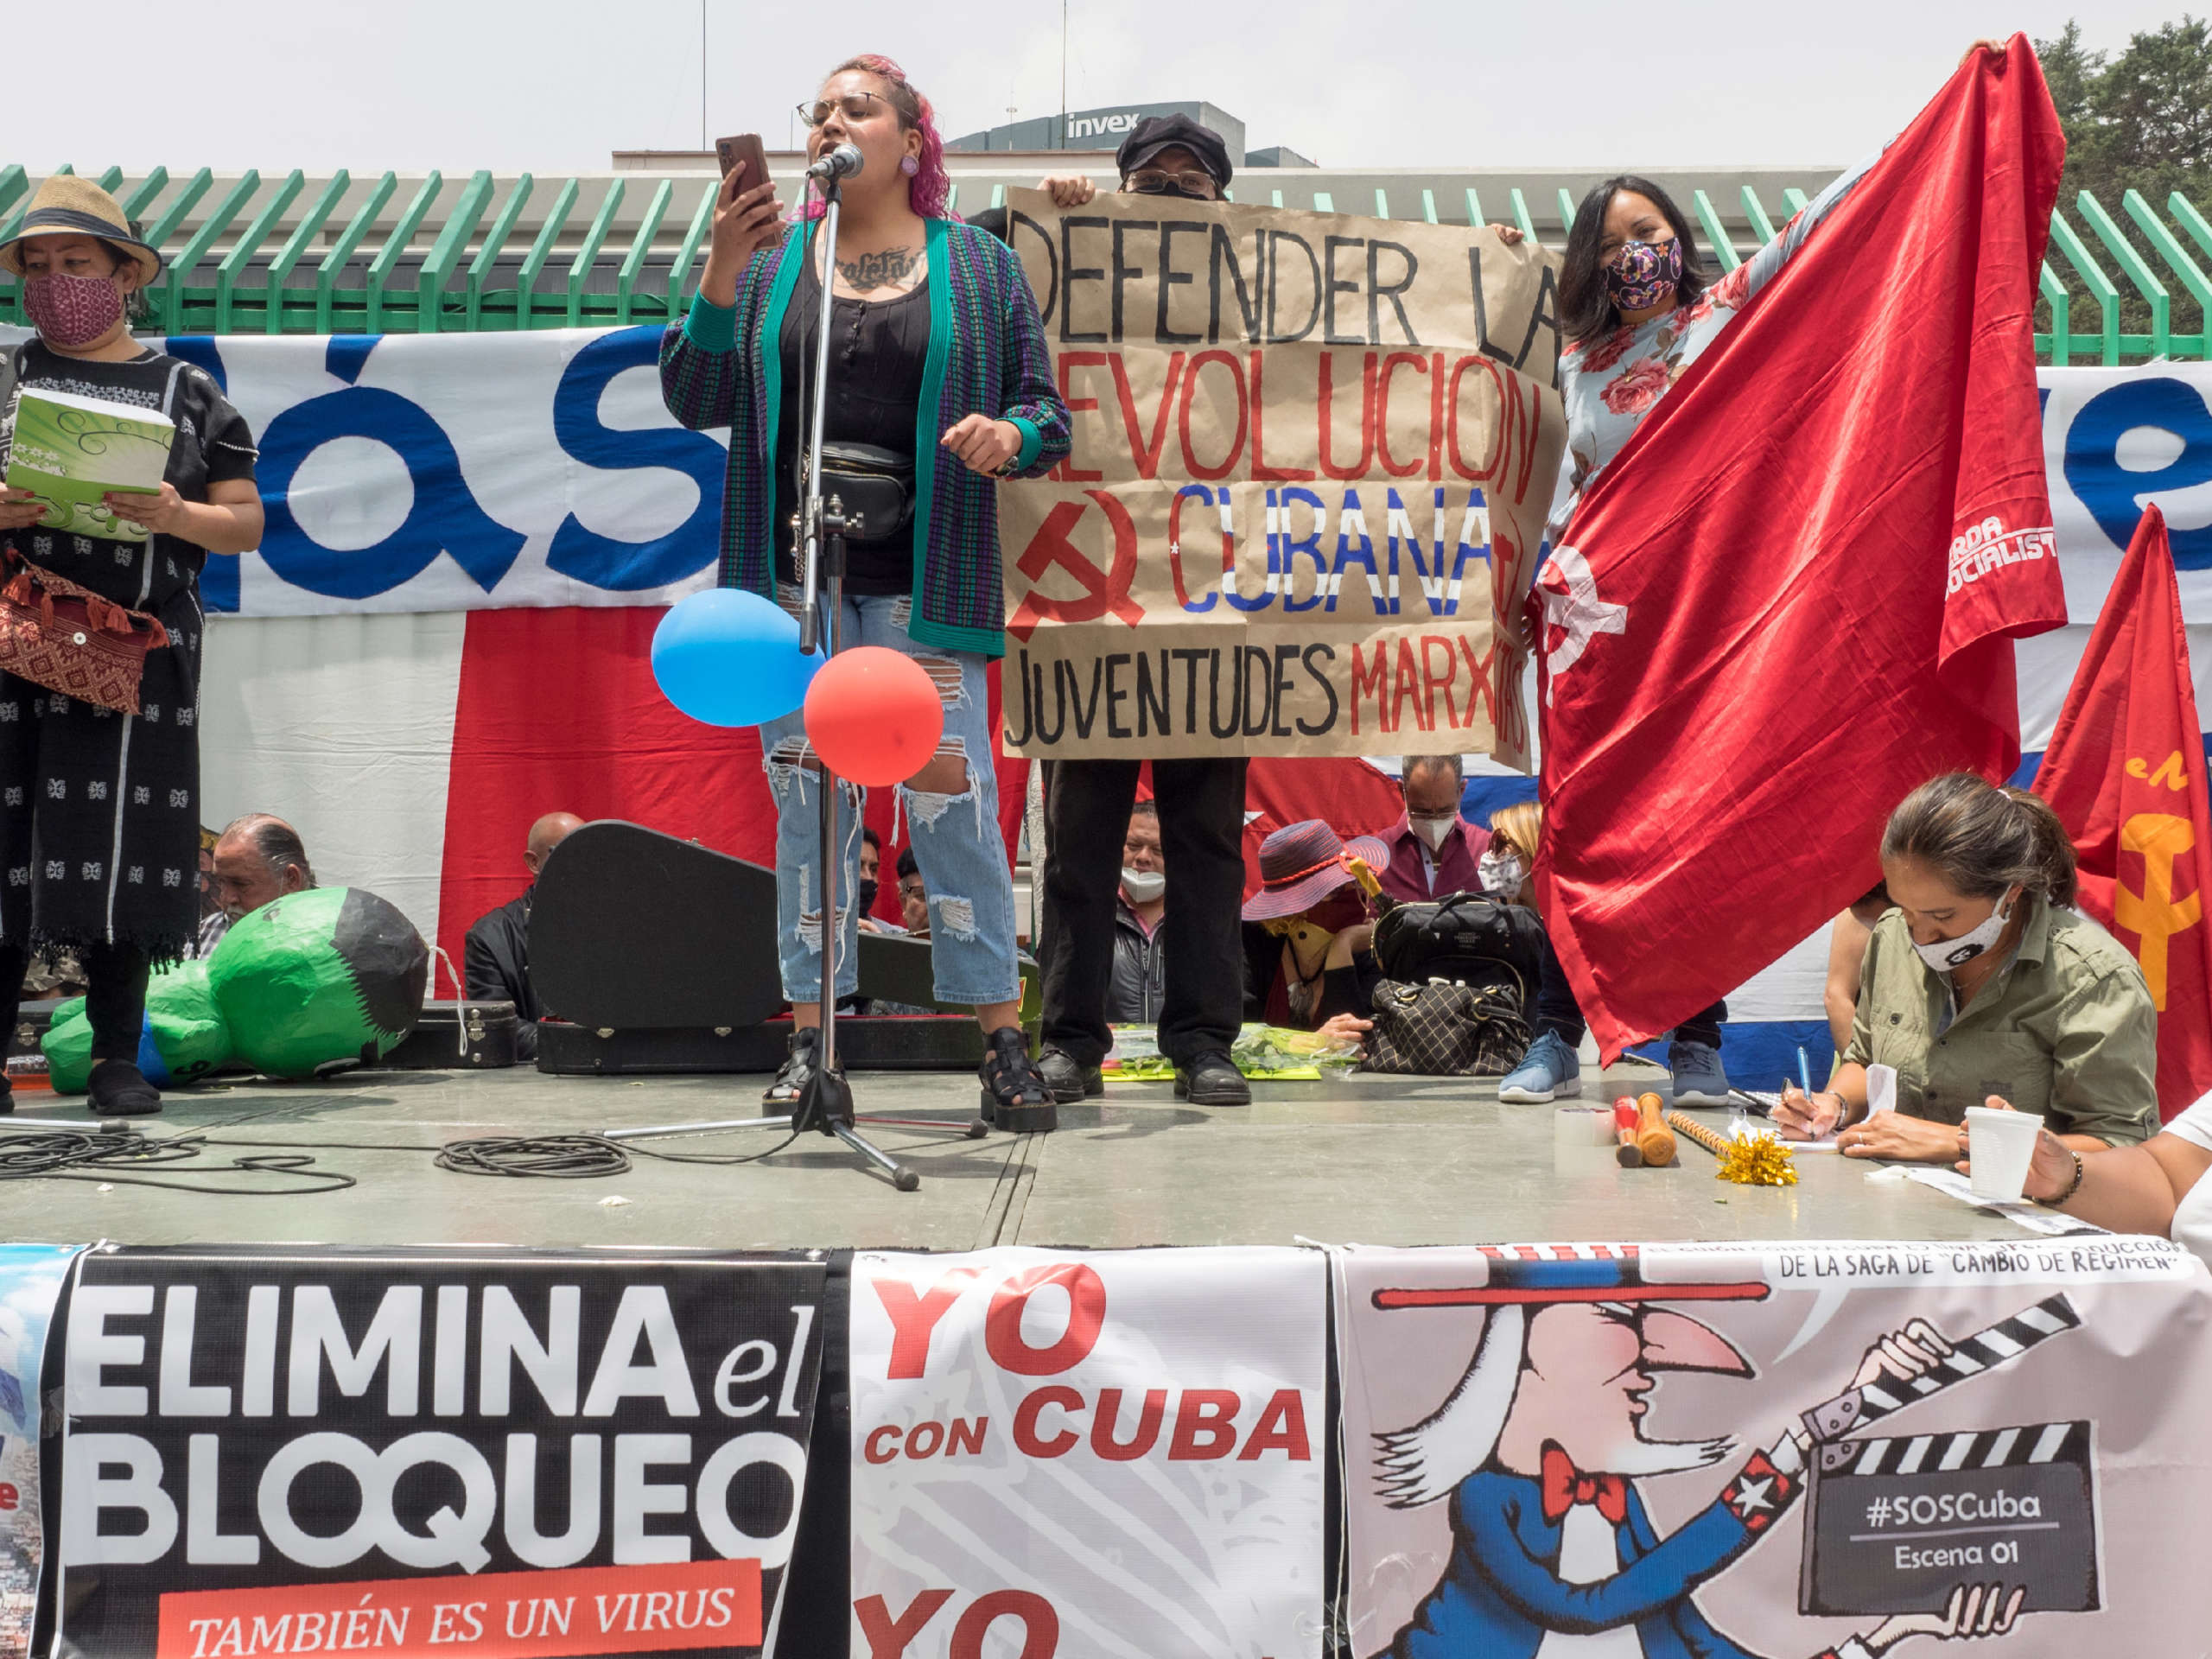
(99, 783)
(1984, 980)
(941, 386)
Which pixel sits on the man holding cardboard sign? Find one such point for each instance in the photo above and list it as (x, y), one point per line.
(1361, 412)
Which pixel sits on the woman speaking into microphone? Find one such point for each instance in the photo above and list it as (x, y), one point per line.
(940, 384)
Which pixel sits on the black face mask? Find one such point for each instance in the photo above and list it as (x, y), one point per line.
(867, 895)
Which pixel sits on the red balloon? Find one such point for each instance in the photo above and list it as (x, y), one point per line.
(873, 716)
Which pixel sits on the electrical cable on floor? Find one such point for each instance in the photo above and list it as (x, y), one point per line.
(554, 1157)
(103, 1156)
(106, 1155)
(571, 1157)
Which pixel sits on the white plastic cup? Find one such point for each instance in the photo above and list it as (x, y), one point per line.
(2000, 1146)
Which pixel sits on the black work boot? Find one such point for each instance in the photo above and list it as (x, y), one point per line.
(1068, 1078)
(1211, 1079)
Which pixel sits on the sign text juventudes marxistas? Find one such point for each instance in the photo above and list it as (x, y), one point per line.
(1312, 458)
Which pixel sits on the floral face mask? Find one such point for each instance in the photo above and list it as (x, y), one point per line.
(1640, 274)
(71, 311)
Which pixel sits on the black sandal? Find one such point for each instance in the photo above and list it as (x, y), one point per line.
(1016, 1097)
(798, 1069)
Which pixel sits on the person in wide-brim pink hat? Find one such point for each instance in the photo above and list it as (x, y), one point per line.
(1301, 864)
(1316, 895)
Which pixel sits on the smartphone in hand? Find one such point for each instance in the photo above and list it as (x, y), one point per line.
(744, 149)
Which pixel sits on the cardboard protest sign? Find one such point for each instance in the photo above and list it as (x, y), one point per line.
(1313, 458)
(1117, 1453)
(518, 1455)
(1842, 1449)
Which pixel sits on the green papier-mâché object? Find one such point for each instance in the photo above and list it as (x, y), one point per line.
(316, 977)
(189, 1035)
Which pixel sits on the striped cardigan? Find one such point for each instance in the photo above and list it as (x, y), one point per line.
(987, 355)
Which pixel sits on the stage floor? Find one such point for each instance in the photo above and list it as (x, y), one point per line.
(1370, 1161)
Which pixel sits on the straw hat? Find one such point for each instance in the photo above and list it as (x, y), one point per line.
(1303, 863)
(66, 203)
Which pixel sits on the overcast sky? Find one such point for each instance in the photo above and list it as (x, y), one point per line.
(556, 86)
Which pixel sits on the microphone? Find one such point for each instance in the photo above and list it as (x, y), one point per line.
(842, 162)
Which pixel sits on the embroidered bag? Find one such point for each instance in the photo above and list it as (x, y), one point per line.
(69, 640)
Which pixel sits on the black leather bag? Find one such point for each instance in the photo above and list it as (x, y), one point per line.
(1445, 1030)
(874, 483)
(1468, 937)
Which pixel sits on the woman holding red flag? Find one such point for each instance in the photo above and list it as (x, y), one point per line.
(1639, 304)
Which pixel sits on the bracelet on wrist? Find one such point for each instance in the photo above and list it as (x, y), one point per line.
(2072, 1186)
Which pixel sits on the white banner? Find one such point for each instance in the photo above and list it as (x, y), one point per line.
(2114, 441)
(1855, 1450)
(31, 1276)
(461, 472)
(1113, 1455)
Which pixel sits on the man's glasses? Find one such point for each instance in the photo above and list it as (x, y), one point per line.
(853, 107)
(1151, 182)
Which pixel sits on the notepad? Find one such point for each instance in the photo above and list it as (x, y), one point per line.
(69, 451)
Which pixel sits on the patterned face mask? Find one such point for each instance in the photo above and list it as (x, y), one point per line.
(1640, 274)
(71, 311)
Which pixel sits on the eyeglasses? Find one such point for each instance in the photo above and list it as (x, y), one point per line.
(911, 890)
(1151, 182)
(853, 107)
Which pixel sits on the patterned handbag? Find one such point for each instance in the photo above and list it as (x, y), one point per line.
(68, 639)
(1445, 1029)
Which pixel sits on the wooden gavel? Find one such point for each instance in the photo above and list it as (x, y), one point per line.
(1644, 1137)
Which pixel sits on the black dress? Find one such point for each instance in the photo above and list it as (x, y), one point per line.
(100, 811)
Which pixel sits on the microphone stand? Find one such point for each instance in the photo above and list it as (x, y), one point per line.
(819, 529)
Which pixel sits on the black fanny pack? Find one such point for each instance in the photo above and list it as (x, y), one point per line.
(876, 486)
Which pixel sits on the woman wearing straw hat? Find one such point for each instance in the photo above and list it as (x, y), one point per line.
(1316, 896)
(99, 805)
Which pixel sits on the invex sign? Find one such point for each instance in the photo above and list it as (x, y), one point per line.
(1113, 1454)
(510, 1457)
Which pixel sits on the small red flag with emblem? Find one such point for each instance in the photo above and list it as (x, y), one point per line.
(1790, 598)
(2124, 773)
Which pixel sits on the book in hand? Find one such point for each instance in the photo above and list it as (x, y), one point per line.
(70, 451)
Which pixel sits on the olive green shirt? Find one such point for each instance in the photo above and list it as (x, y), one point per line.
(2066, 1029)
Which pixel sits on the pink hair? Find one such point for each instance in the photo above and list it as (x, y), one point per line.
(927, 190)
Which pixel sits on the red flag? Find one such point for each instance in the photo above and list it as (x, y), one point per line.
(1789, 600)
(2124, 773)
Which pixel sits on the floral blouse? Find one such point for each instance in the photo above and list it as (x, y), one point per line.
(1609, 384)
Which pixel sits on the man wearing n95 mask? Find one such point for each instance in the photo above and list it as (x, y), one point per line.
(1433, 851)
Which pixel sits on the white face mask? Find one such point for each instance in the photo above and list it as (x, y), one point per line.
(1142, 887)
(1946, 954)
(1501, 872)
(1433, 829)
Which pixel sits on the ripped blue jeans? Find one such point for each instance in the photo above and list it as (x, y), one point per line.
(957, 849)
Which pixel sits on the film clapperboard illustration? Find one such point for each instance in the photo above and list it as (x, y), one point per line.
(1896, 1521)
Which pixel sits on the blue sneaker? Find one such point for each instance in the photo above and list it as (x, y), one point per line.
(1549, 1070)
(1698, 1078)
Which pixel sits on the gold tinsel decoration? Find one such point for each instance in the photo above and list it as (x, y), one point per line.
(1757, 1161)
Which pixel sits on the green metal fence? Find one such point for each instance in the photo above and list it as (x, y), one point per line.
(463, 255)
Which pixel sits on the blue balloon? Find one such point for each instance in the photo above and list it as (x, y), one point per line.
(730, 658)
